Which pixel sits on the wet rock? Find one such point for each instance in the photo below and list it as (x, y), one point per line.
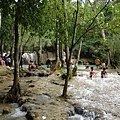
(2, 97)
(88, 114)
(6, 71)
(57, 83)
(95, 114)
(22, 100)
(32, 115)
(43, 74)
(64, 76)
(1, 81)
(79, 110)
(30, 81)
(28, 106)
(39, 73)
(31, 85)
(118, 72)
(6, 110)
(71, 112)
(28, 92)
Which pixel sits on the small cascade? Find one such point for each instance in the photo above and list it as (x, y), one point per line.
(16, 113)
(82, 114)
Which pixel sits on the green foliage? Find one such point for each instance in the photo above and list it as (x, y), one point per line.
(39, 20)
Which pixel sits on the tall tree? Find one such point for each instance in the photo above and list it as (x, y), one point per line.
(20, 18)
(15, 91)
(74, 43)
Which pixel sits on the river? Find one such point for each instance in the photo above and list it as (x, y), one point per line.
(98, 94)
(101, 94)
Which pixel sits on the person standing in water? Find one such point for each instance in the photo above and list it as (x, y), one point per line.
(87, 65)
(97, 62)
(104, 73)
(92, 73)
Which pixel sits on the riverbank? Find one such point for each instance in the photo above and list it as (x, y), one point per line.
(41, 97)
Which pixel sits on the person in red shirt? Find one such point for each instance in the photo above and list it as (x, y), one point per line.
(92, 73)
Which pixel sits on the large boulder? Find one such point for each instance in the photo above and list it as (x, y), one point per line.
(33, 115)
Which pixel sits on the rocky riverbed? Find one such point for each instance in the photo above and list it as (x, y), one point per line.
(92, 99)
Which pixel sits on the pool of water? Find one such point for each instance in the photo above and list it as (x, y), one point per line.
(83, 67)
(79, 66)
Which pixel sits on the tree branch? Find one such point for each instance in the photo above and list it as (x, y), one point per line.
(88, 28)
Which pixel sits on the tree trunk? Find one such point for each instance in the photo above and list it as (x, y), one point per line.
(79, 51)
(64, 94)
(1, 45)
(74, 37)
(74, 44)
(69, 54)
(28, 40)
(1, 27)
(61, 54)
(39, 53)
(11, 53)
(77, 60)
(57, 50)
(109, 60)
(15, 92)
(57, 38)
(12, 44)
(58, 62)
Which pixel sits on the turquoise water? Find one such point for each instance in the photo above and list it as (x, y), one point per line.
(79, 66)
(83, 66)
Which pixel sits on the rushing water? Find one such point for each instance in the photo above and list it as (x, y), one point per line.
(16, 113)
(101, 94)
(98, 94)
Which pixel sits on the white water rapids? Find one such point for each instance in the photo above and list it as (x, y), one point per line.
(99, 93)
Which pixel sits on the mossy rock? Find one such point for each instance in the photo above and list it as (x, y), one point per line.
(4, 71)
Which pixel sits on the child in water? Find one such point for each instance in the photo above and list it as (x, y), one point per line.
(103, 73)
(92, 73)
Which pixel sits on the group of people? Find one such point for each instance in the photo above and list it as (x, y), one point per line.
(103, 73)
(98, 65)
(5, 60)
(101, 66)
